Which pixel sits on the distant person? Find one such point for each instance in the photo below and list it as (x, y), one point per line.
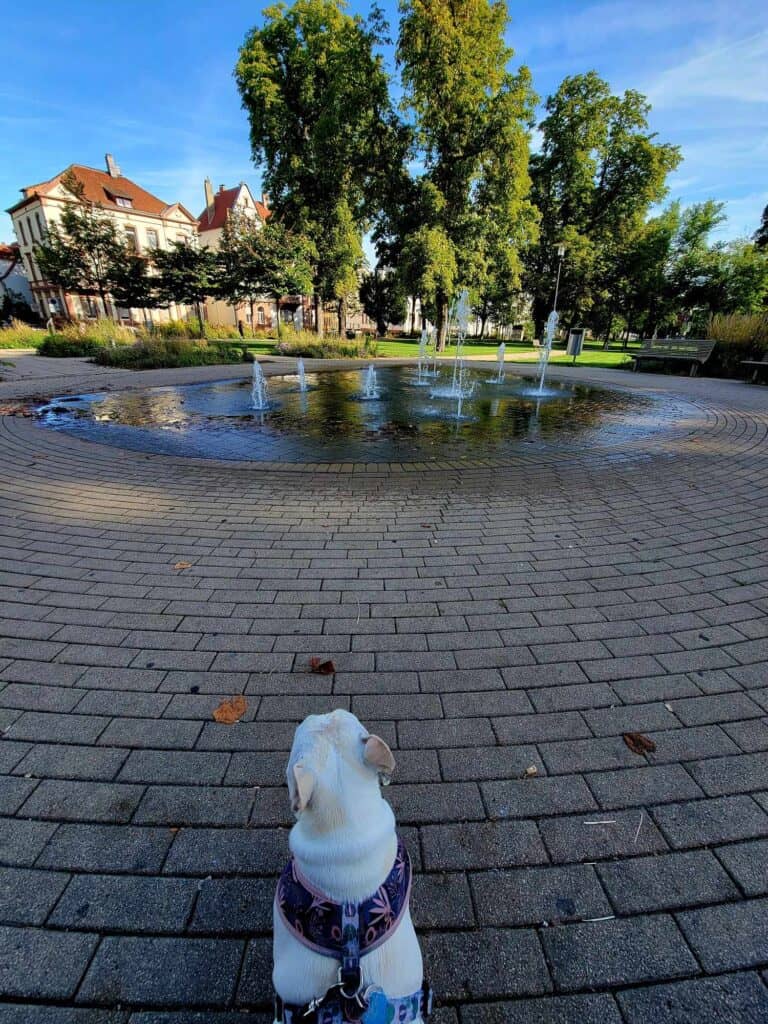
(241, 328)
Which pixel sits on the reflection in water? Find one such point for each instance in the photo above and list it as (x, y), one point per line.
(329, 423)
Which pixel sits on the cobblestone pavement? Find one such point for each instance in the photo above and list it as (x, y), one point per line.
(484, 620)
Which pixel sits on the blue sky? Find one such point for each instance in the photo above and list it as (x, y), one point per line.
(152, 83)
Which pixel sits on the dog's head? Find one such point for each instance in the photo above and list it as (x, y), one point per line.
(335, 759)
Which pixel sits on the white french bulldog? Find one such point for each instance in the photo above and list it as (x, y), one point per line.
(345, 851)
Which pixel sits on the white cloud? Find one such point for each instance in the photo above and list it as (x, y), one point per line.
(733, 70)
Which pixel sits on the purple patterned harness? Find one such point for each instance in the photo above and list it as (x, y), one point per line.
(347, 932)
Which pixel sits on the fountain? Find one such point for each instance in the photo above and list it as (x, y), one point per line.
(259, 398)
(302, 375)
(423, 361)
(500, 361)
(546, 349)
(371, 387)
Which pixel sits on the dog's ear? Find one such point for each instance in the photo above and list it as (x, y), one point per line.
(301, 790)
(378, 755)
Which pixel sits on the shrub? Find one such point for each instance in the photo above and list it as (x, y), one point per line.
(20, 335)
(739, 336)
(59, 347)
(101, 332)
(306, 343)
(159, 353)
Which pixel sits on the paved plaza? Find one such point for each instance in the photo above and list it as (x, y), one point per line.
(501, 626)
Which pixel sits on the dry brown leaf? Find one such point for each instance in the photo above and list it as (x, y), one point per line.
(183, 565)
(638, 743)
(323, 668)
(231, 711)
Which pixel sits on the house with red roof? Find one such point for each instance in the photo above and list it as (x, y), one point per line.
(146, 221)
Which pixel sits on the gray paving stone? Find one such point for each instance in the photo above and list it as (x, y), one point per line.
(21, 841)
(560, 725)
(617, 952)
(691, 743)
(444, 801)
(162, 971)
(60, 761)
(585, 1009)
(174, 766)
(668, 882)
(587, 755)
(483, 845)
(738, 999)
(156, 735)
(470, 763)
(538, 895)
(121, 903)
(634, 787)
(234, 906)
(728, 937)
(534, 797)
(40, 964)
(29, 1013)
(40, 726)
(748, 864)
(442, 901)
(13, 793)
(10, 754)
(255, 979)
(725, 775)
(749, 736)
(193, 805)
(219, 851)
(703, 822)
(60, 800)
(616, 833)
(27, 896)
(460, 968)
(104, 848)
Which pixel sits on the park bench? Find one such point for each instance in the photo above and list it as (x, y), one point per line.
(694, 351)
(757, 366)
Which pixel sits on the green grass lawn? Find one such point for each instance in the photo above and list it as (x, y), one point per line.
(592, 355)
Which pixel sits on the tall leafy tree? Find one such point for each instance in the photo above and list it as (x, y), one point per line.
(81, 252)
(760, 237)
(133, 285)
(383, 298)
(597, 174)
(256, 260)
(471, 122)
(186, 274)
(317, 100)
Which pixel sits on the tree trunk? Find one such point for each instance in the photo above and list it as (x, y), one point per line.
(103, 297)
(442, 323)
(483, 321)
(341, 314)
(319, 316)
(413, 315)
(199, 309)
(278, 325)
(252, 303)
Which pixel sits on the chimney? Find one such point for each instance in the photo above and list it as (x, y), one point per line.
(265, 199)
(112, 169)
(209, 201)
(221, 188)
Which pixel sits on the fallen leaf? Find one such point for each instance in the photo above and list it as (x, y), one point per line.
(530, 771)
(183, 565)
(638, 743)
(323, 668)
(231, 711)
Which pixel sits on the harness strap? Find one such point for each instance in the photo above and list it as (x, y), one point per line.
(334, 1009)
(350, 976)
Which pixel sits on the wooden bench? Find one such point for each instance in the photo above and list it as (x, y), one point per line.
(694, 351)
(757, 366)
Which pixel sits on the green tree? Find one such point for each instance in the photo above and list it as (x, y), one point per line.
(472, 119)
(742, 284)
(256, 259)
(81, 252)
(132, 283)
(760, 237)
(597, 174)
(320, 122)
(383, 298)
(186, 274)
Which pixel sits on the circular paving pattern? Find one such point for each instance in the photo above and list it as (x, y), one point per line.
(502, 626)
